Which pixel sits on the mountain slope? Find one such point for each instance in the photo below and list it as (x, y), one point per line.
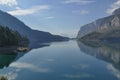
(111, 36)
(103, 25)
(9, 37)
(33, 35)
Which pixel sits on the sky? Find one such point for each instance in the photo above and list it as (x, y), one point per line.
(61, 17)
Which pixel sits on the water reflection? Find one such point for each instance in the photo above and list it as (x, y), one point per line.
(31, 67)
(7, 57)
(64, 61)
(108, 52)
(5, 60)
(38, 45)
(10, 67)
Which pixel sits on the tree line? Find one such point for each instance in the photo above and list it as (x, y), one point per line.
(10, 37)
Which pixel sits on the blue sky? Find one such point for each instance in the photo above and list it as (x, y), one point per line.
(62, 17)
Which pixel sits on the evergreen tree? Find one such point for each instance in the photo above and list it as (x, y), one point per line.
(10, 37)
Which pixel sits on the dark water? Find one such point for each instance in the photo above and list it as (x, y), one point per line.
(64, 61)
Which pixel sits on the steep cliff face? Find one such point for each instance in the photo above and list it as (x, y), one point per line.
(117, 11)
(102, 25)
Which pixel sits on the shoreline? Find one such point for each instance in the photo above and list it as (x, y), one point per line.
(13, 49)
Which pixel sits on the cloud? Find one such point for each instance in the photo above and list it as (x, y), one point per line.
(34, 9)
(113, 7)
(8, 2)
(79, 2)
(21, 65)
(50, 17)
(81, 12)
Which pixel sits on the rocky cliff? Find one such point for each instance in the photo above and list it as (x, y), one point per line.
(103, 25)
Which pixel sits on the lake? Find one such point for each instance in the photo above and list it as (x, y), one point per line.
(64, 61)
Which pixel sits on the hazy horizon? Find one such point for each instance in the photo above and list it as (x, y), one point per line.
(60, 17)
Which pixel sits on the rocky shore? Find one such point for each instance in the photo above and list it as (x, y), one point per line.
(13, 49)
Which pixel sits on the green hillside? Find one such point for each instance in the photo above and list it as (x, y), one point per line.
(10, 37)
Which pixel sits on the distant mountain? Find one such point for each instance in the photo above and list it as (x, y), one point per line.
(33, 35)
(104, 28)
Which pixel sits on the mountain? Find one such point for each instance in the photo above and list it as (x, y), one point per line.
(33, 35)
(9, 37)
(102, 28)
(117, 11)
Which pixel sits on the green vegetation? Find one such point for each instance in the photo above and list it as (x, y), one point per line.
(10, 37)
(3, 78)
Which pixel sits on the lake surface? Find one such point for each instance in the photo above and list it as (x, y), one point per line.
(63, 61)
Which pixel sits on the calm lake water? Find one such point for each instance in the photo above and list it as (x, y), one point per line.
(63, 61)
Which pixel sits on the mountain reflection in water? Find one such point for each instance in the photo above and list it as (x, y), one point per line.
(7, 58)
(108, 52)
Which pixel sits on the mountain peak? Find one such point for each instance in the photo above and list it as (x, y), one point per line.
(103, 25)
(117, 11)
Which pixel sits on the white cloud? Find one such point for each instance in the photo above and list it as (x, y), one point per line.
(113, 7)
(79, 2)
(84, 12)
(81, 12)
(8, 2)
(50, 17)
(34, 9)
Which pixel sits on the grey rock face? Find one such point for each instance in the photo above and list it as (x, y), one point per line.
(117, 11)
(101, 25)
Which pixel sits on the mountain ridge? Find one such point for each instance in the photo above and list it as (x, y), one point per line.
(101, 25)
(33, 35)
